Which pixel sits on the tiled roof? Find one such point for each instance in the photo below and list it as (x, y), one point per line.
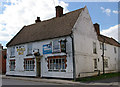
(55, 27)
(108, 40)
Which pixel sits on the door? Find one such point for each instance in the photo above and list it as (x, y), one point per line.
(38, 67)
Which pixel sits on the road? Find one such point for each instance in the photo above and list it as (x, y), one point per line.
(19, 83)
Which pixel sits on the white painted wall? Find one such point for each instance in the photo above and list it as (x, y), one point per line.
(110, 55)
(84, 36)
(19, 70)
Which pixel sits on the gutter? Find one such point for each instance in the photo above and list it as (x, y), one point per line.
(73, 54)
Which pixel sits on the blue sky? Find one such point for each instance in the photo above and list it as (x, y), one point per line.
(17, 13)
(97, 14)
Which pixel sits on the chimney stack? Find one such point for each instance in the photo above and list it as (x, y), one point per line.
(59, 11)
(1, 47)
(38, 20)
(96, 26)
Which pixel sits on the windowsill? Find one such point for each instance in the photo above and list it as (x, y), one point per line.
(55, 52)
(95, 69)
(57, 70)
(12, 56)
(12, 70)
(29, 54)
(28, 70)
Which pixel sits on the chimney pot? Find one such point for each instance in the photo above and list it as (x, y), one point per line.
(59, 11)
(96, 26)
(38, 20)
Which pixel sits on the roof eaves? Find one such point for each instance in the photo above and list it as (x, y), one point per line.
(7, 45)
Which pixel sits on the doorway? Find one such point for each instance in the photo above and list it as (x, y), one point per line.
(38, 67)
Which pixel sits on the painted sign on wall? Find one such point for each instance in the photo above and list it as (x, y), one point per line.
(47, 48)
(20, 50)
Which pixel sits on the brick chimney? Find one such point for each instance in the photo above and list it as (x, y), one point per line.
(59, 11)
(96, 26)
(38, 20)
(1, 47)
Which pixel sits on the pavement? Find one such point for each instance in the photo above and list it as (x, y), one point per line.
(59, 81)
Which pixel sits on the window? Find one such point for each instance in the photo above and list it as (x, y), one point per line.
(95, 63)
(101, 46)
(56, 46)
(29, 49)
(105, 47)
(12, 51)
(115, 51)
(106, 63)
(12, 65)
(29, 64)
(63, 45)
(94, 48)
(57, 63)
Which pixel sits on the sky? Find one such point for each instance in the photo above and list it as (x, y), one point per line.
(14, 14)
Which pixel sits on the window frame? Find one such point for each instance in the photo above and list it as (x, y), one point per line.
(63, 43)
(95, 64)
(106, 63)
(115, 50)
(94, 48)
(101, 46)
(56, 47)
(12, 65)
(29, 49)
(60, 66)
(29, 64)
(12, 52)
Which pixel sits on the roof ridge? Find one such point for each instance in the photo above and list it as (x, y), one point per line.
(57, 17)
(44, 29)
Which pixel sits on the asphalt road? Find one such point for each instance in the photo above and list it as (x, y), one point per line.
(22, 82)
(19, 83)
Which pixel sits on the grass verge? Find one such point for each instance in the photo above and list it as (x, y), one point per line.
(100, 77)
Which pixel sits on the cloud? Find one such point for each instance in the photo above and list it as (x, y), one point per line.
(91, 0)
(107, 11)
(114, 11)
(25, 12)
(111, 32)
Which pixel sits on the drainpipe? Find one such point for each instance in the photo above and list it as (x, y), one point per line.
(103, 55)
(73, 53)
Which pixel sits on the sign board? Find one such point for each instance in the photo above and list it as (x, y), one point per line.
(47, 49)
(20, 50)
(56, 46)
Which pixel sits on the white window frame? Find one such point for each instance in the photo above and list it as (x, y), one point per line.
(29, 48)
(12, 65)
(56, 46)
(12, 51)
(106, 63)
(29, 65)
(57, 66)
(101, 46)
(115, 50)
(94, 48)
